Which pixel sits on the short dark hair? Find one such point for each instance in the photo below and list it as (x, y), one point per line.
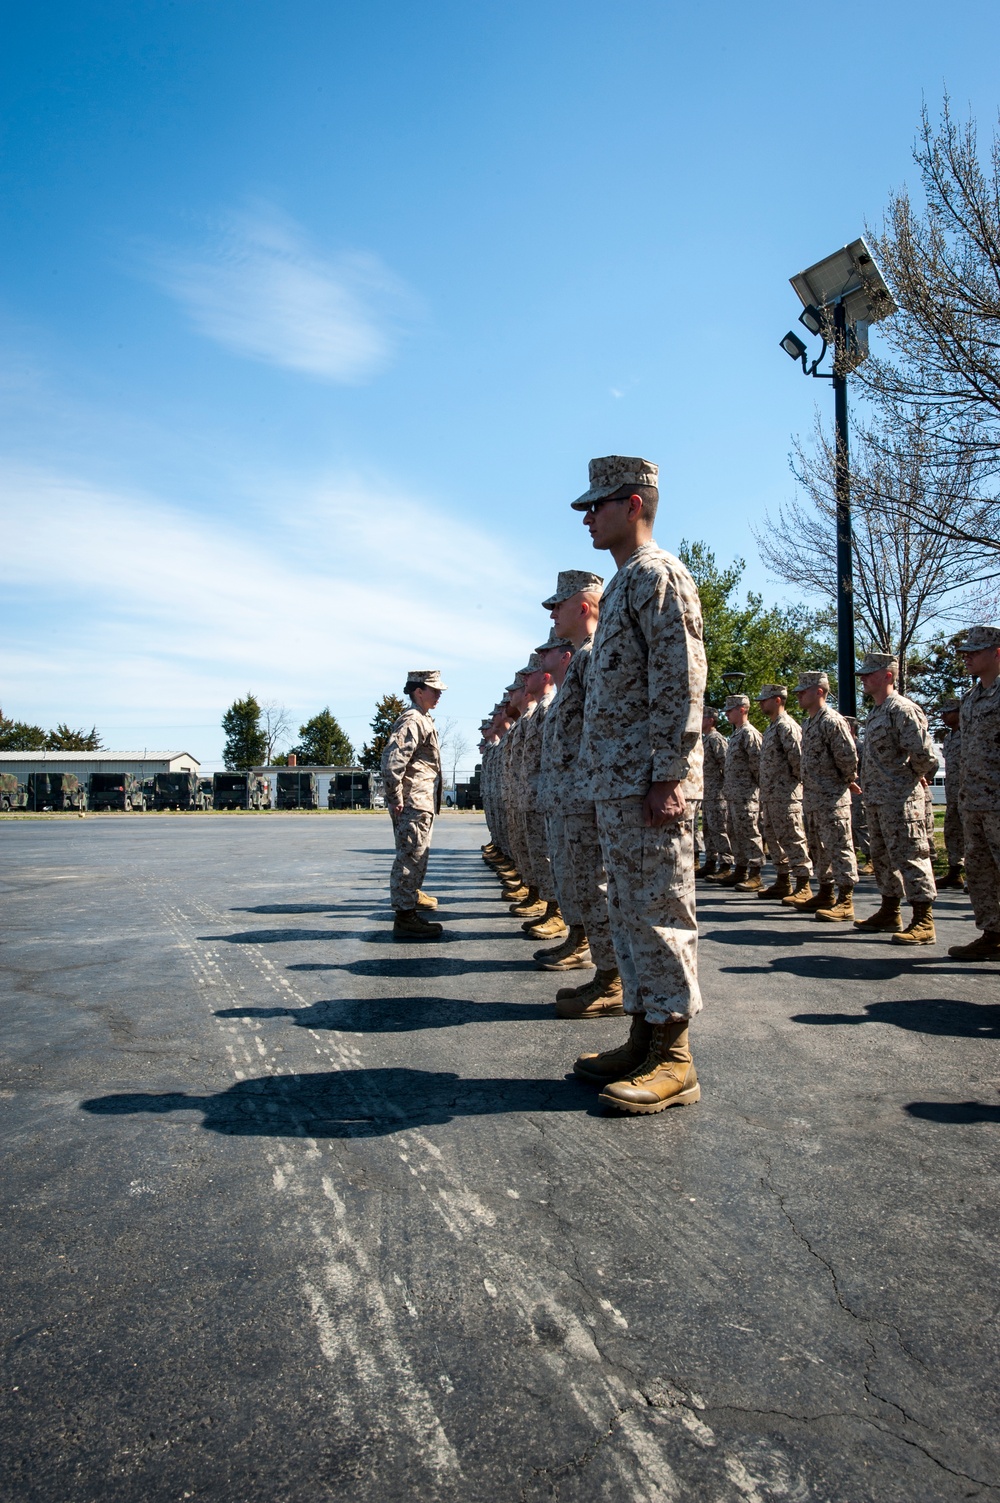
(649, 495)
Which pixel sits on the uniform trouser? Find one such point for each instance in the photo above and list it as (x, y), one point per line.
(860, 833)
(744, 831)
(929, 819)
(714, 824)
(954, 835)
(651, 907)
(585, 864)
(412, 829)
(982, 867)
(519, 845)
(694, 808)
(539, 859)
(831, 846)
(782, 828)
(569, 907)
(900, 849)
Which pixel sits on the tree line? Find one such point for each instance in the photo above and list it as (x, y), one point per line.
(925, 441)
(20, 735)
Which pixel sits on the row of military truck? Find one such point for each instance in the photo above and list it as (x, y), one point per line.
(186, 791)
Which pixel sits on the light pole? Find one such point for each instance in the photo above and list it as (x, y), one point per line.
(842, 294)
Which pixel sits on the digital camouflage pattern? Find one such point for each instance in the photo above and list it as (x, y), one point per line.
(829, 765)
(562, 876)
(781, 821)
(982, 866)
(412, 830)
(411, 763)
(980, 765)
(646, 681)
(564, 784)
(780, 759)
(713, 805)
(954, 840)
(831, 843)
(584, 860)
(741, 782)
(898, 751)
(900, 849)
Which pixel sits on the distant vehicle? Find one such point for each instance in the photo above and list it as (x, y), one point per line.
(55, 790)
(297, 790)
(181, 790)
(351, 790)
(116, 790)
(449, 796)
(12, 794)
(237, 790)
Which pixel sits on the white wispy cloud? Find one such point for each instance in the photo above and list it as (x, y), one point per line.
(260, 289)
(145, 612)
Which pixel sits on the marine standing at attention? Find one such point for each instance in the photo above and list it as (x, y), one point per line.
(714, 816)
(411, 772)
(741, 785)
(641, 749)
(781, 795)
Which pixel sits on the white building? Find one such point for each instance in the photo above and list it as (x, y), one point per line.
(142, 764)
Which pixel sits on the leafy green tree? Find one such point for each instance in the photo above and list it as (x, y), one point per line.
(63, 739)
(769, 644)
(937, 672)
(246, 741)
(387, 712)
(324, 743)
(17, 735)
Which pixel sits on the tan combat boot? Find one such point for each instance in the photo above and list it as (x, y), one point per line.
(667, 1077)
(424, 900)
(572, 955)
(409, 925)
(549, 926)
(821, 899)
(885, 919)
(530, 906)
(730, 877)
(781, 887)
(840, 911)
(601, 999)
(954, 877)
(614, 1064)
(920, 930)
(802, 894)
(752, 882)
(709, 869)
(986, 947)
(514, 894)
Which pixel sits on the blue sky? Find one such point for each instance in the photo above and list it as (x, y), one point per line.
(311, 316)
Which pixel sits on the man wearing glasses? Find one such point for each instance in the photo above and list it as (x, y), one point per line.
(641, 748)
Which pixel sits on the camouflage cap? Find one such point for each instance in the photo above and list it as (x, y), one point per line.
(978, 637)
(813, 678)
(570, 582)
(949, 707)
(772, 691)
(710, 710)
(555, 644)
(609, 474)
(737, 702)
(878, 662)
(425, 678)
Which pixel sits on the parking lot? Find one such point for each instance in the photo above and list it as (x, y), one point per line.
(294, 1212)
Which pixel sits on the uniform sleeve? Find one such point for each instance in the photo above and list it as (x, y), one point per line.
(793, 750)
(843, 751)
(396, 758)
(670, 621)
(916, 743)
(753, 756)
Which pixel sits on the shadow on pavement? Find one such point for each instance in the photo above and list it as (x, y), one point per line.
(954, 1111)
(862, 965)
(399, 1015)
(421, 965)
(940, 1015)
(352, 1103)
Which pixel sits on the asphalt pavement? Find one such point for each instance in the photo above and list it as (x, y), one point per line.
(294, 1212)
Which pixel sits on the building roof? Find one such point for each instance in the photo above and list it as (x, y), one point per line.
(103, 754)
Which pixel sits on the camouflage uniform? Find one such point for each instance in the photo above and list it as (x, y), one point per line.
(713, 807)
(980, 796)
(533, 809)
(898, 753)
(514, 795)
(571, 816)
(954, 839)
(741, 784)
(781, 797)
(411, 772)
(829, 764)
(642, 724)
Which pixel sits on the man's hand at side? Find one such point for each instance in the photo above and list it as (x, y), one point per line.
(663, 804)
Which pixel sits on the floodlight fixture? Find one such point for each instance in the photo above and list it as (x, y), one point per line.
(733, 680)
(793, 346)
(812, 317)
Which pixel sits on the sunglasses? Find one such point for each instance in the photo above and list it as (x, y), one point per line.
(594, 506)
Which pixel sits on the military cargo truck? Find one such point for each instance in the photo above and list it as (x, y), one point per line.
(12, 794)
(116, 790)
(297, 790)
(180, 790)
(351, 790)
(55, 790)
(237, 790)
